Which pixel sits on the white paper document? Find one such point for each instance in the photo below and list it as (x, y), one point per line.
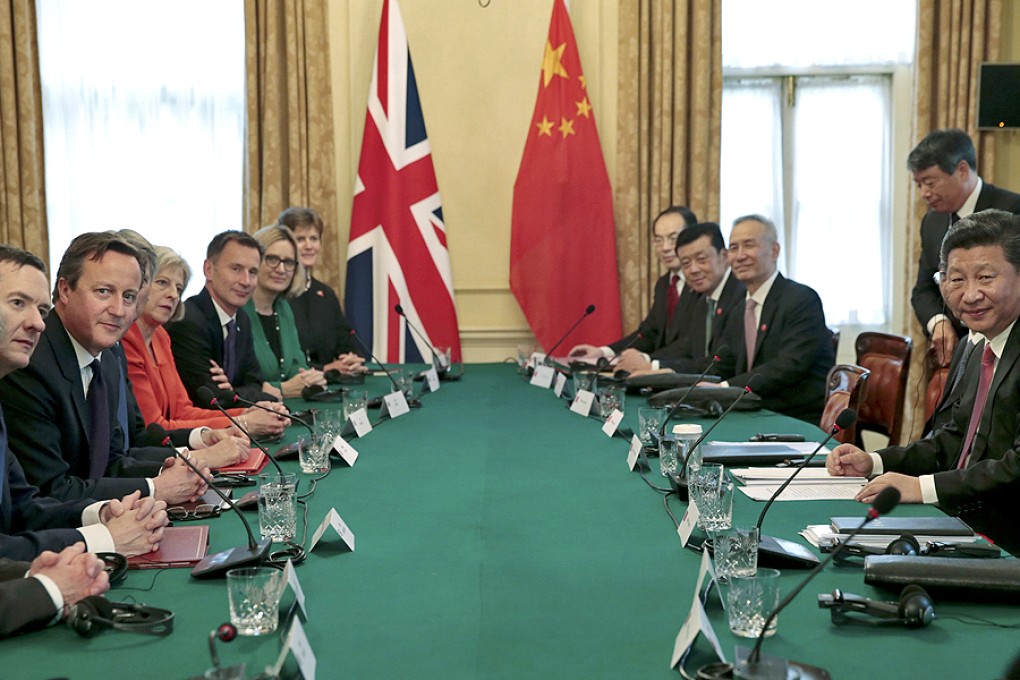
(771, 475)
(803, 492)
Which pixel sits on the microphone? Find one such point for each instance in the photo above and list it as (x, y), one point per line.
(587, 311)
(207, 395)
(413, 403)
(220, 563)
(888, 499)
(673, 410)
(440, 368)
(779, 552)
(233, 396)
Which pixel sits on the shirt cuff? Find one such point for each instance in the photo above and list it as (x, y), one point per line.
(655, 364)
(929, 495)
(98, 538)
(54, 592)
(930, 326)
(607, 351)
(877, 466)
(195, 440)
(724, 383)
(152, 487)
(90, 515)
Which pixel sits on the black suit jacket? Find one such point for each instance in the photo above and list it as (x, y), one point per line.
(793, 353)
(24, 602)
(926, 297)
(198, 338)
(953, 392)
(687, 353)
(47, 419)
(986, 494)
(321, 325)
(656, 330)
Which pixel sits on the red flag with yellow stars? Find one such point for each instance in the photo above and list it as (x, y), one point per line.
(563, 240)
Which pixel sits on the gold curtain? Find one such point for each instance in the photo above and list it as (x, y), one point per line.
(670, 115)
(289, 123)
(953, 38)
(22, 183)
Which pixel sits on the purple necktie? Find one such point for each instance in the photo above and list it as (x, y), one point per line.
(230, 351)
(99, 423)
(750, 331)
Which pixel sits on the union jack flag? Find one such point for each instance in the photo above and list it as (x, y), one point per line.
(397, 250)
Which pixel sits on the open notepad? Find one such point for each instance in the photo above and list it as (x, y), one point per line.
(811, 484)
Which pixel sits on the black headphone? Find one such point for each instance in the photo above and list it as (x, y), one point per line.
(915, 609)
(907, 545)
(93, 614)
(115, 565)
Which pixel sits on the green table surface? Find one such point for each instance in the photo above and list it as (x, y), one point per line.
(499, 535)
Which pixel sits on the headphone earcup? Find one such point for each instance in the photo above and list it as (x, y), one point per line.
(91, 615)
(916, 607)
(906, 544)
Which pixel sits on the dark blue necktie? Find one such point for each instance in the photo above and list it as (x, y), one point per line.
(99, 423)
(230, 351)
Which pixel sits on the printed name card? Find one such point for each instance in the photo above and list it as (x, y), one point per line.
(345, 450)
(358, 422)
(687, 524)
(296, 642)
(543, 377)
(292, 580)
(612, 422)
(394, 405)
(696, 622)
(342, 530)
(635, 451)
(561, 380)
(432, 379)
(582, 402)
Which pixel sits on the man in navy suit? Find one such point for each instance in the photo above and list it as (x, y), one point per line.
(970, 465)
(944, 166)
(778, 336)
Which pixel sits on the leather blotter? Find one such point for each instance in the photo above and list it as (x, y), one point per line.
(947, 577)
(897, 526)
(180, 547)
(703, 396)
(254, 465)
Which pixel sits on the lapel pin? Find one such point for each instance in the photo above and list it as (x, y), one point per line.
(764, 327)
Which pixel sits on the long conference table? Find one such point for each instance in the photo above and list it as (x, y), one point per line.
(499, 535)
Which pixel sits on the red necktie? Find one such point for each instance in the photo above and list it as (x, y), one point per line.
(984, 383)
(672, 298)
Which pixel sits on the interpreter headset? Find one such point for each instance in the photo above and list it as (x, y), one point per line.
(94, 614)
(914, 609)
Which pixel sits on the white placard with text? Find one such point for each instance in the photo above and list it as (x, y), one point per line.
(561, 380)
(543, 377)
(612, 422)
(635, 451)
(292, 580)
(333, 520)
(688, 523)
(296, 642)
(359, 419)
(395, 405)
(582, 402)
(432, 379)
(345, 450)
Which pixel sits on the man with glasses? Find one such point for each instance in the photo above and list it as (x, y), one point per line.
(662, 325)
(944, 166)
(213, 344)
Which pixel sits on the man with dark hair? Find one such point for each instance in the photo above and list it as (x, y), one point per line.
(944, 166)
(778, 336)
(970, 466)
(212, 344)
(701, 252)
(662, 325)
(63, 406)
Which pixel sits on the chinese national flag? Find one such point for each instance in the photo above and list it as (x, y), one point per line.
(563, 240)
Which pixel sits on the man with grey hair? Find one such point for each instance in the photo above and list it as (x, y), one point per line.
(778, 336)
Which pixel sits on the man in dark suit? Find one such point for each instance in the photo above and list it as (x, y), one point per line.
(944, 166)
(212, 344)
(970, 466)
(712, 295)
(778, 337)
(662, 325)
(63, 412)
(29, 522)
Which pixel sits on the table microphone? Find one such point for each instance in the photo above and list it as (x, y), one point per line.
(236, 398)
(207, 395)
(888, 499)
(220, 563)
(587, 311)
(440, 368)
(779, 552)
(412, 402)
(681, 400)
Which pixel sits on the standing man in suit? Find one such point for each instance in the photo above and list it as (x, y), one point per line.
(701, 252)
(212, 344)
(779, 338)
(970, 466)
(661, 326)
(63, 406)
(944, 166)
(29, 522)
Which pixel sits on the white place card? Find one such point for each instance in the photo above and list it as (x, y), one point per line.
(582, 402)
(612, 422)
(536, 359)
(696, 622)
(634, 453)
(395, 405)
(290, 573)
(561, 380)
(345, 451)
(333, 520)
(432, 379)
(543, 377)
(688, 523)
(359, 420)
(298, 643)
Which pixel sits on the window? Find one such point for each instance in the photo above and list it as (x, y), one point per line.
(143, 113)
(807, 140)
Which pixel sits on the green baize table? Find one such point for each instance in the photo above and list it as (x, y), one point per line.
(499, 535)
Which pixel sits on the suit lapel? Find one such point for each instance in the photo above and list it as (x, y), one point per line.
(205, 305)
(67, 361)
(768, 311)
(1007, 364)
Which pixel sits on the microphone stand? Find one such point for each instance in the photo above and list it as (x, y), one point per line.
(412, 402)
(238, 399)
(672, 411)
(548, 355)
(207, 394)
(443, 371)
